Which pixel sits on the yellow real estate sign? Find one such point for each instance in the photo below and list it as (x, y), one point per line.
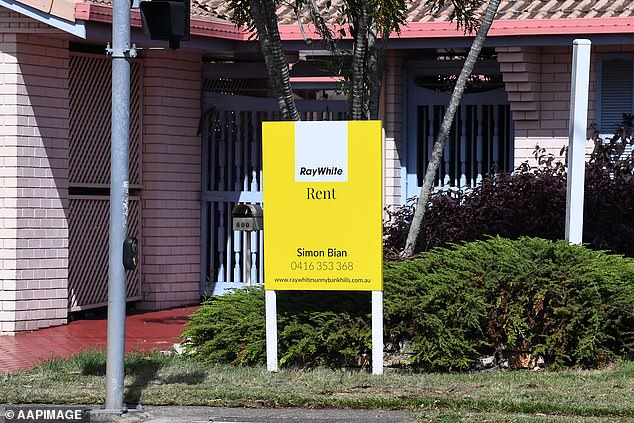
(322, 205)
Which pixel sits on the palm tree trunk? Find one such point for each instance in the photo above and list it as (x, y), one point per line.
(376, 61)
(358, 65)
(430, 174)
(266, 24)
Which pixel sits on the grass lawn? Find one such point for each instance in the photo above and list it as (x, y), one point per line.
(519, 396)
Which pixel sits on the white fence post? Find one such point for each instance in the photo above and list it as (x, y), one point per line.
(577, 140)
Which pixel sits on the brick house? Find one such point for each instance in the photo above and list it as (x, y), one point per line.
(195, 143)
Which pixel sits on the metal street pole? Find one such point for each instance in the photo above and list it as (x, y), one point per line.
(118, 203)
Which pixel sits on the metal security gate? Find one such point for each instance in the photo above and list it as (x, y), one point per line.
(479, 143)
(88, 245)
(232, 173)
(89, 180)
(481, 140)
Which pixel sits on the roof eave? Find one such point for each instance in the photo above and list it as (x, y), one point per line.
(505, 28)
(500, 28)
(198, 27)
(413, 30)
(76, 28)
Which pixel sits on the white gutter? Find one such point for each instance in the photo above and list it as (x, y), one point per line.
(77, 28)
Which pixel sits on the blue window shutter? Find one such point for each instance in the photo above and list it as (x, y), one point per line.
(616, 92)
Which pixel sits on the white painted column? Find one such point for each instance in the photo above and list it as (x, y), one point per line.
(377, 332)
(577, 140)
(271, 330)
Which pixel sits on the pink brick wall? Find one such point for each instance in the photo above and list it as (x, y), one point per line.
(392, 116)
(8, 188)
(34, 140)
(537, 81)
(171, 179)
(521, 69)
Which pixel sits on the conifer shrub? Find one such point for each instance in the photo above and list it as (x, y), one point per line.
(570, 304)
(443, 311)
(229, 328)
(314, 328)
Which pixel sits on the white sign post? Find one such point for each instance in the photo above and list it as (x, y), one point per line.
(577, 140)
(270, 303)
(377, 332)
(271, 331)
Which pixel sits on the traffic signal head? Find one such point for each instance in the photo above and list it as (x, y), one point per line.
(166, 20)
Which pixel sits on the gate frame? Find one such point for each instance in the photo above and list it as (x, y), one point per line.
(308, 109)
(414, 96)
(95, 187)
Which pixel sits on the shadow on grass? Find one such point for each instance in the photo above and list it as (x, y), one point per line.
(145, 370)
(144, 377)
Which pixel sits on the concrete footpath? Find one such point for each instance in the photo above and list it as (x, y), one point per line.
(152, 414)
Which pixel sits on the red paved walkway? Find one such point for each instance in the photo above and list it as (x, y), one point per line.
(157, 330)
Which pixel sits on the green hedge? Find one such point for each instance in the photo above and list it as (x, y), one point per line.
(446, 309)
(314, 328)
(572, 305)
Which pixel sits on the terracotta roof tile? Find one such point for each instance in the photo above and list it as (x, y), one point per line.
(532, 9)
(418, 11)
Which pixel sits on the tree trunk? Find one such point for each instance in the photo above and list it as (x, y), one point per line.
(376, 61)
(357, 92)
(266, 24)
(430, 174)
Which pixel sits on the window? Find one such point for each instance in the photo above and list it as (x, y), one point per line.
(615, 91)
